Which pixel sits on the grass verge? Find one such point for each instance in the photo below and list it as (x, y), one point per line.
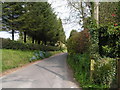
(17, 58)
(80, 64)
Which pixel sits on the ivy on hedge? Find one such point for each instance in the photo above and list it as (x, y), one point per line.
(109, 41)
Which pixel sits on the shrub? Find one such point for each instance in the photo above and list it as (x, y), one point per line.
(79, 42)
(10, 44)
(105, 71)
(40, 55)
(109, 41)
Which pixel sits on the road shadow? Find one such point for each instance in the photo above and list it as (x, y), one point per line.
(59, 75)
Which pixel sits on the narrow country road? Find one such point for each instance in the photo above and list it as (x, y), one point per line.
(49, 73)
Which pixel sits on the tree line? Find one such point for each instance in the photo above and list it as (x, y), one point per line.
(34, 19)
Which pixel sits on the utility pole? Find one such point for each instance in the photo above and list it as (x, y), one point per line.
(118, 72)
(96, 12)
(96, 17)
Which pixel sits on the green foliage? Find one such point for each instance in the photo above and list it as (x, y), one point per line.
(80, 63)
(93, 30)
(109, 29)
(109, 41)
(103, 75)
(79, 42)
(104, 41)
(35, 19)
(109, 13)
(9, 44)
(11, 11)
(73, 32)
(105, 71)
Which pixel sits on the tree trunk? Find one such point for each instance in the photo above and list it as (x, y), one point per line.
(33, 40)
(24, 37)
(38, 41)
(45, 42)
(13, 34)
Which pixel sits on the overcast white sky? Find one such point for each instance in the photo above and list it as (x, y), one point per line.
(4, 34)
(63, 11)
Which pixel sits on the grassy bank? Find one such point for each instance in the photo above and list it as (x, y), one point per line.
(80, 65)
(16, 58)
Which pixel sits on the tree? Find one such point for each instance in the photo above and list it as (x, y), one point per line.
(11, 12)
(79, 42)
(35, 19)
(73, 32)
(109, 29)
(59, 34)
(79, 12)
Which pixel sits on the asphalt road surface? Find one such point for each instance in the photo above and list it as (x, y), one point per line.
(52, 72)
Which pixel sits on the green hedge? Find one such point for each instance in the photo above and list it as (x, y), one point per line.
(16, 45)
(104, 74)
(109, 41)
